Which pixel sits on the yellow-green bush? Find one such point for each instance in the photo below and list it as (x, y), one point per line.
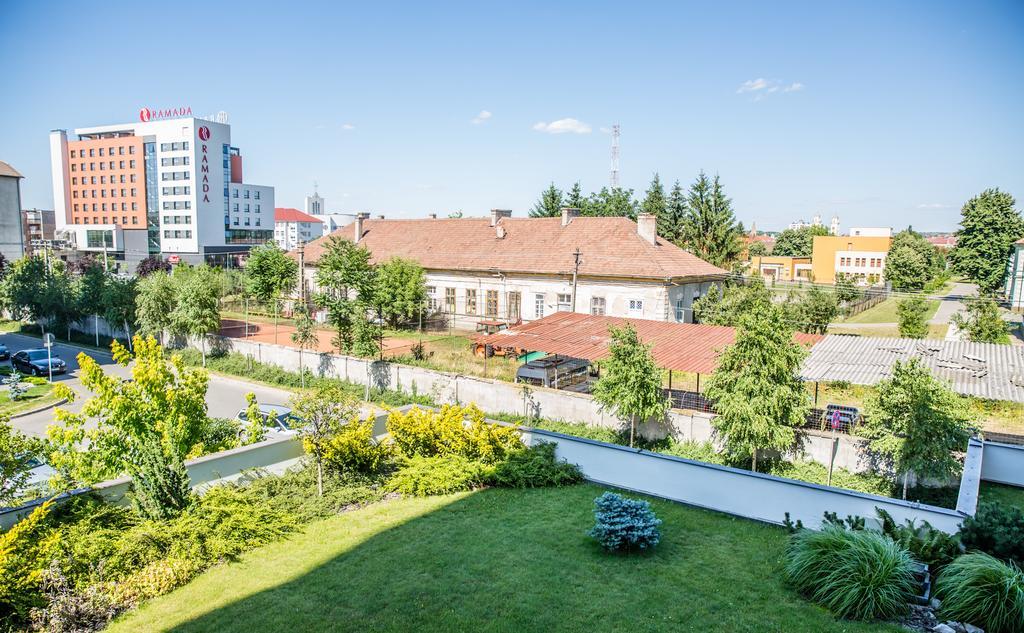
(25, 552)
(153, 580)
(353, 449)
(439, 475)
(452, 430)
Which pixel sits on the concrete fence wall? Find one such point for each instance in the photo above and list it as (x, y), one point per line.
(274, 455)
(497, 396)
(1004, 464)
(737, 492)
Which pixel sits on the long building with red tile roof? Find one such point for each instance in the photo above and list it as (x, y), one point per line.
(520, 269)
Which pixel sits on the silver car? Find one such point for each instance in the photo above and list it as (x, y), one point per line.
(278, 419)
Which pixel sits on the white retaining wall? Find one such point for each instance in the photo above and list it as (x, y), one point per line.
(1004, 463)
(498, 396)
(737, 492)
(274, 455)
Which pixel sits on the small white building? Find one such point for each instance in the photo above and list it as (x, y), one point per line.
(871, 231)
(1015, 277)
(520, 269)
(293, 227)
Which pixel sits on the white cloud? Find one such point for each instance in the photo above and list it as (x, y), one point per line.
(761, 87)
(480, 118)
(562, 126)
(933, 205)
(753, 85)
(347, 126)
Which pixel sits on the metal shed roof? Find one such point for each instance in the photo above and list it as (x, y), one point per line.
(984, 370)
(678, 346)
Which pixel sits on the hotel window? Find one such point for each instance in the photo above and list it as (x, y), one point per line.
(74, 193)
(247, 221)
(235, 222)
(513, 308)
(132, 178)
(135, 206)
(257, 221)
(538, 306)
(76, 207)
(124, 219)
(246, 208)
(73, 167)
(92, 166)
(121, 164)
(256, 194)
(131, 150)
(120, 151)
(101, 151)
(449, 300)
(636, 306)
(234, 193)
(564, 302)
(597, 306)
(247, 193)
(92, 152)
(131, 164)
(111, 164)
(124, 207)
(135, 219)
(236, 207)
(491, 303)
(257, 208)
(471, 301)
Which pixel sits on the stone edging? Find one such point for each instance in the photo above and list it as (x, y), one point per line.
(43, 408)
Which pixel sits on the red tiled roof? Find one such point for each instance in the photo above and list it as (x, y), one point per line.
(287, 214)
(943, 240)
(609, 246)
(678, 346)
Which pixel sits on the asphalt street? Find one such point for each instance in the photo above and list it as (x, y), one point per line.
(224, 398)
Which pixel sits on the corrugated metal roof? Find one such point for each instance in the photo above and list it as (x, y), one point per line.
(984, 370)
(678, 346)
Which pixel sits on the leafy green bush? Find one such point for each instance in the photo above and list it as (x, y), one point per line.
(35, 380)
(996, 529)
(623, 524)
(25, 551)
(928, 545)
(439, 475)
(983, 591)
(353, 449)
(857, 574)
(218, 434)
(155, 579)
(452, 430)
(535, 467)
(294, 493)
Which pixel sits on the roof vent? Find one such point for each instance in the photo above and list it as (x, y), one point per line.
(500, 232)
(568, 213)
(359, 226)
(647, 227)
(433, 216)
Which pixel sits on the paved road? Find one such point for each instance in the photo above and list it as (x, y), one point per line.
(952, 304)
(224, 398)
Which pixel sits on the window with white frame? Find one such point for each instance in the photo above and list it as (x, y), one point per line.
(636, 306)
(538, 306)
(564, 302)
(597, 306)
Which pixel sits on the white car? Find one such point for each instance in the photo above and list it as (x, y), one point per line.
(277, 418)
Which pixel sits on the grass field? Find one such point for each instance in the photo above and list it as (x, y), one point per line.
(1009, 495)
(498, 560)
(885, 312)
(36, 397)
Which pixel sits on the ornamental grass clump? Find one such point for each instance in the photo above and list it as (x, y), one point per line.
(623, 525)
(983, 591)
(860, 574)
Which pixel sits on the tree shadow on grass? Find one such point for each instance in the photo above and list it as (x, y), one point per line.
(498, 560)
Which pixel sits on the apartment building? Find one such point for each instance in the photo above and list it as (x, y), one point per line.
(861, 255)
(12, 244)
(170, 187)
(293, 227)
(520, 269)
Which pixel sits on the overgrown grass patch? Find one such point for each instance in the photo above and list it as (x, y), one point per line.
(498, 560)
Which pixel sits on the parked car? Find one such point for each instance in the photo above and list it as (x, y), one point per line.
(278, 419)
(34, 362)
(4, 352)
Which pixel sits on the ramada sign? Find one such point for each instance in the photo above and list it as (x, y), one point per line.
(149, 114)
(203, 133)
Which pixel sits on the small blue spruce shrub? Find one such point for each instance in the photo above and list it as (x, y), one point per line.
(624, 524)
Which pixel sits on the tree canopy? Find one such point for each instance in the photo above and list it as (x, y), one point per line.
(981, 321)
(989, 225)
(401, 290)
(550, 203)
(756, 387)
(912, 261)
(911, 312)
(727, 305)
(797, 242)
(914, 423)
(630, 382)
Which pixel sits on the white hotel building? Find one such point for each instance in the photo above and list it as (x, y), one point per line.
(170, 187)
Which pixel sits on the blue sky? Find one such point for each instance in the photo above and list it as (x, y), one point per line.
(885, 113)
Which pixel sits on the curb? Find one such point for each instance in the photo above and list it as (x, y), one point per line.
(43, 408)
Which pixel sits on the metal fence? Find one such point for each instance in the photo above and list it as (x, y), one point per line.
(868, 299)
(817, 419)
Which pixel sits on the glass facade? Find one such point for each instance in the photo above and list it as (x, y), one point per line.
(152, 208)
(99, 238)
(247, 236)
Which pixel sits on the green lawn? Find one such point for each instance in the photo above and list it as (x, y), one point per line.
(497, 560)
(885, 312)
(1009, 495)
(36, 397)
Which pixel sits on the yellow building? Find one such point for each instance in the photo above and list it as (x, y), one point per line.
(782, 268)
(862, 257)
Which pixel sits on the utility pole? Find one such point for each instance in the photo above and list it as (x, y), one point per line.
(575, 276)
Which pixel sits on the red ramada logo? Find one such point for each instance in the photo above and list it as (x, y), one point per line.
(144, 114)
(204, 133)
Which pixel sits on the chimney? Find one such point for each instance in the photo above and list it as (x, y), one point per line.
(497, 214)
(568, 213)
(647, 227)
(359, 225)
(380, 217)
(433, 216)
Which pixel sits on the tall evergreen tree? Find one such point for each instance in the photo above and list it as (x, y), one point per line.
(550, 203)
(654, 201)
(710, 230)
(575, 198)
(988, 228)
(670, 224)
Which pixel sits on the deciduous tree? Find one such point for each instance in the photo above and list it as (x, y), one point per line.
(155, 303)
(630, 384)
(197, 306)
(911, 314)
(728, 305)
(304, 336)
(17, 452)
(401, 292)
(915, 423)
(346, 277)
(989, 226)
(756, 387)
(797, 242)
(144, 427)
(323, 411)
(981, 322)
(269, 275)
